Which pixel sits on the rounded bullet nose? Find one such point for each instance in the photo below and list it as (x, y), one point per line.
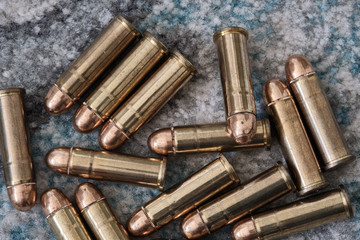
(56, 101)
(274, 90)
(161, 142)
(22, 196)
(53, 200)
(111, 137)
(245, 230)
(297, 66)
(57, 159)
(85, 119)
(86, 194)
(242, 127)
(139, 224)
(193, 226)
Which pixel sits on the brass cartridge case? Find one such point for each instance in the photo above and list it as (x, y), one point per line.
(296, 217)
(62, 216)
(102, 165)
(73, 83)
(147, 101)
(317, 113)
(15, 150)
(113, 90)
(206, 138)
(183, 197)
(236, 82)
(235, 204)
(97, 213)
(294, 142)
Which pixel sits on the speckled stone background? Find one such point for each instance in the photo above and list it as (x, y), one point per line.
(40, 38)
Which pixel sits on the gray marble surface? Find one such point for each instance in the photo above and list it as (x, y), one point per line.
(40, 38)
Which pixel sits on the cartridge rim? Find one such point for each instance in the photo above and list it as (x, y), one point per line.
(346, 200)
(286, 176)
(176, 54)
(9, 91)
(229, 168)
(313, 188)
(267, 132)
(162, 173)
(339, 162)
(228, 30)
(127, 24)
(157, 43)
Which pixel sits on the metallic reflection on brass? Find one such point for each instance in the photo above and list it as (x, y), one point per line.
(15, 150)
(236, 82)
(113, 90)
(98, 215)
(206, 138)
(294, 142)
(147, 101)
(296, 217)
(113, 40)
(317, 113)
(183, 197)
(235, 204)
(103, 165)
(62, 216)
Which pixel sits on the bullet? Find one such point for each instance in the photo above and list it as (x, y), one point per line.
(239, 202)
(15, 150)
(113, 90)
(295, 217)
(183, 197)
(236, 82)
(62, 216)
(294, 141)
(102, 165)
(317, 113)
(175, 72)
(206, 138)
(97, 213)
(73, 83)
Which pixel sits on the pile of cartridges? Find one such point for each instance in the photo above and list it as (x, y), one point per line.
(138, 85)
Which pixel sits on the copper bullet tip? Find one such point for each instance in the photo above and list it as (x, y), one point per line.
(245, 230)
(161, 142)
(139, 224)
(275, 90)
(86, 119)
(193, 226)
(53, 200)
(111, 137)
(87, 194)
(297, 66)
(56, 101)
(22, 196)
(242, 127)
(57, 159)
